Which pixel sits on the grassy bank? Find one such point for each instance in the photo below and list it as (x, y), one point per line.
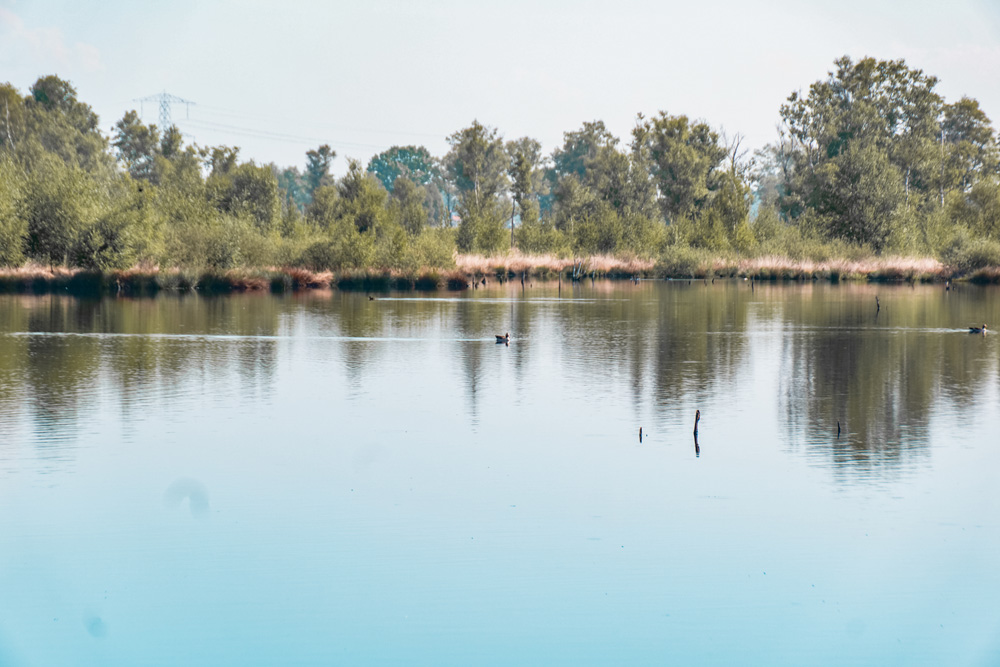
(688, 263)
(35, 279)
(470, 269)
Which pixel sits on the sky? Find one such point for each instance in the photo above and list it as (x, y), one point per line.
(279, 78)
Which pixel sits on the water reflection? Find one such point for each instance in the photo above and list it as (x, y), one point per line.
(265, 469)
(883, 379)
(855, 386)
(57, 374)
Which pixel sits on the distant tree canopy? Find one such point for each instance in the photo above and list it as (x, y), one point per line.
(413, 162)
(318, 168)
(870, 157)
(874, 147)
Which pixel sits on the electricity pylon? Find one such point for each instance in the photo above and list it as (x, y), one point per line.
(165, 99)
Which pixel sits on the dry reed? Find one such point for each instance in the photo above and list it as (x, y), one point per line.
(36, 278)
(872, 268)
(515, 263)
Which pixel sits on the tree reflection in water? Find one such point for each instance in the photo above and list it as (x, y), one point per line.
(661, 348)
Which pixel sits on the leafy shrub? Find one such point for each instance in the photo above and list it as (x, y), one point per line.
(680, 261)
(967, 253)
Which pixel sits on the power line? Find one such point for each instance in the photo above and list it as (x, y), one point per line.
(236, 114)
(165, 99)
(275, 136)
(263, 134)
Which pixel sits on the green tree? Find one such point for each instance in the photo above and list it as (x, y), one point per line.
(407, 201)
(580, 147)
(863, 143)
(121, 235)
(324, 208)
(59, 123)
(171, 143)
(317, 172)
(250, 191)
(59, 203)
(222, 159)
(595, 184)
(413, 162)
(682, 157)
(293, 190)
(362, 199)
(859, 192)
(967, 146)
(137, 145)
(12, 118)
(477, 165)
(482, 227)
(979, 209)
(525, 160)
(13, 227)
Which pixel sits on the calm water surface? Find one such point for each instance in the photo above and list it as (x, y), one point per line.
(323, 479)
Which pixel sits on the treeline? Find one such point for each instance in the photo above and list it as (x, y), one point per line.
(871, 160)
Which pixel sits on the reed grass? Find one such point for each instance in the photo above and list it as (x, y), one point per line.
(881, 269)
(34, 278)
(679, 262)
(515, 264)
(986, 275)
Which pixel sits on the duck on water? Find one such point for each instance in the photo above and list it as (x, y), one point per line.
(978, 330)
(503, 339)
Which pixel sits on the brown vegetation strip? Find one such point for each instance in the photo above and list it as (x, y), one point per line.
(517, 263)
(874, 267)
(145, 279)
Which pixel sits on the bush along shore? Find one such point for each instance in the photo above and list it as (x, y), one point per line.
(471, 270)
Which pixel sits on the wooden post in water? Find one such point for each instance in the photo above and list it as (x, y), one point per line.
(697, 418)
(878, 306)
(640, 435)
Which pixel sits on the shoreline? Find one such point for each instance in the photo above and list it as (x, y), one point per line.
(470, 269)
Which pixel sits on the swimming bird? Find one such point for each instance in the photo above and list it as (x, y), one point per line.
(503, 339)
(981, 329)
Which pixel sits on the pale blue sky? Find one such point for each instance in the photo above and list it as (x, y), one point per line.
(280, 78)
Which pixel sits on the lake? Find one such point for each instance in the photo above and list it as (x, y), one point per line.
(322, 478)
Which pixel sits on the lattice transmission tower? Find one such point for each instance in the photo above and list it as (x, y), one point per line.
(165, 99)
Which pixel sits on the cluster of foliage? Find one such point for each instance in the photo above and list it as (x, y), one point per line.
(873, 156)
(71, 196)
(871, 159)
